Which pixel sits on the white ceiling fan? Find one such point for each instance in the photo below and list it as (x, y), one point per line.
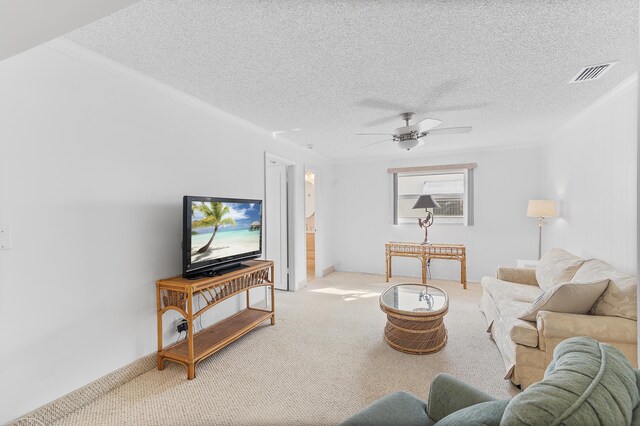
(410, 136)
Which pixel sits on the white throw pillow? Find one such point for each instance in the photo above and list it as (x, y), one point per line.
(556, 266)
(568, 298)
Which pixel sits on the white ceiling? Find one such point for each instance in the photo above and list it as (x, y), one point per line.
(333, 68)
(28, 23)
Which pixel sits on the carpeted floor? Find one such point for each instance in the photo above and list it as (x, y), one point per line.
(323, 360)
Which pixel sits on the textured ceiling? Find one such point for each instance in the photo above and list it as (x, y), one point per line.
(332, 69)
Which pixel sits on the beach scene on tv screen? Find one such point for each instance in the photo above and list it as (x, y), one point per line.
(223, 229)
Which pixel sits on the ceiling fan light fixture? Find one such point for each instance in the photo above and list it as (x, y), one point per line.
(410, 136)
(408, 144)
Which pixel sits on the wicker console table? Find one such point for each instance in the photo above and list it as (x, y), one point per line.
(425, 252)
(179, 293)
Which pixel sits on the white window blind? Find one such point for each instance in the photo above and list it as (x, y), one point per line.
(452, 189)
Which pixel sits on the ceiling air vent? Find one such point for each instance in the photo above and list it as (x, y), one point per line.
(592, 72)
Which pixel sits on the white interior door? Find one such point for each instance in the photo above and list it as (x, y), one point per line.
(276, 222)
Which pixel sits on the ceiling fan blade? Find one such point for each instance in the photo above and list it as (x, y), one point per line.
(439, 91)
(450, 131)
(374, 134)
(461, 107)
(426, 124)
(381, 120)
(381, 104)
(375, 143)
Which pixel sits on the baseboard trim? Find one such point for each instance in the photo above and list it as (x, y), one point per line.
(65, 405)
(327, 271)
(300, 285)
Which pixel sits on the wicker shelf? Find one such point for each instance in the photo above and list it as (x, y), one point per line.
(217, 336)
(178, 294)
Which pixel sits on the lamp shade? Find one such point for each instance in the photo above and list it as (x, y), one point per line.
(542, 208)
(425, 202)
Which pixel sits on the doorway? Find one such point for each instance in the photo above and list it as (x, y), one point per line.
(310, 222)
(277, 171)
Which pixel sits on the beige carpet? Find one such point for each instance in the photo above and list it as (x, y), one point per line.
(323, 360)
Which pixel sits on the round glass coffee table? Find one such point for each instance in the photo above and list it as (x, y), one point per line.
(415, 317)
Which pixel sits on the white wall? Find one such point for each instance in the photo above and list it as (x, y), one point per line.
(590, 167)
(28, 23)
(94, 161)
(504, 181)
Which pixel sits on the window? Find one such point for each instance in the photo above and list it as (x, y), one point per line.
(451, 188)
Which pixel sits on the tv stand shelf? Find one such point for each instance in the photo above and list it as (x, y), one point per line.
(178, 294)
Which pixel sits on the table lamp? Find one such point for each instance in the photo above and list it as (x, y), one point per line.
(541, 209)
(426, 202)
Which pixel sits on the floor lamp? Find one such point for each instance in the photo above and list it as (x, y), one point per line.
(541, 209)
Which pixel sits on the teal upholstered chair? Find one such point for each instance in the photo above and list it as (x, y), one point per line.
(587, 383)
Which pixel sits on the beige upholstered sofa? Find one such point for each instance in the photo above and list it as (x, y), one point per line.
(527, 346)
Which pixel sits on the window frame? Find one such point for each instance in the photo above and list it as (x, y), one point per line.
(467, 204)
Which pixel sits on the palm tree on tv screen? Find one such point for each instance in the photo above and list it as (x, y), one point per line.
(214, 215)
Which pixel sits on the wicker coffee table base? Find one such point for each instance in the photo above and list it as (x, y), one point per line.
(415, 335)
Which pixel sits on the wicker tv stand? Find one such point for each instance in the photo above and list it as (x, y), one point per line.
(178, 294)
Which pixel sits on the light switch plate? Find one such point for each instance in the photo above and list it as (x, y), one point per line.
(5, 239)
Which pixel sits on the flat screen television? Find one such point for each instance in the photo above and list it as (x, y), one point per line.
(219, 233)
